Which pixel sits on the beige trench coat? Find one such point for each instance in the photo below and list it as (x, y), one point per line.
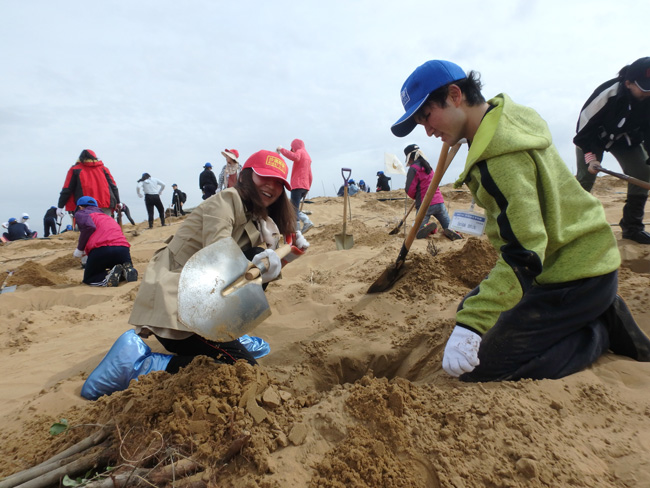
(156, 305)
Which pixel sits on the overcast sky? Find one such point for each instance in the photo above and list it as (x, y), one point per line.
(163, 86)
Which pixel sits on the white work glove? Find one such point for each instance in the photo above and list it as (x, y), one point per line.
(277, 149)
(461, 352)
(119, 206)
(300, 241)
(77, 253)
(272, 271)
(60, 212)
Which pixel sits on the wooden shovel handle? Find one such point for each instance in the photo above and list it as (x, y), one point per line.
(629, 179)
(253, 272)
(446, 157)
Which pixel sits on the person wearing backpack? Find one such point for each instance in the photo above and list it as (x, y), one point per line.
(178, 199)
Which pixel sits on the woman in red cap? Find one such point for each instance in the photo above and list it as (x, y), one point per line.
(230, 171)
(254, 213)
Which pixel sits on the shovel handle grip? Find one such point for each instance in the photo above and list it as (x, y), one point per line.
(346, 178)
(254, 272)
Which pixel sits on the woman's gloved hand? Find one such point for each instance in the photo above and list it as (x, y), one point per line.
(461, 352)
(271, 270)
(300, 242)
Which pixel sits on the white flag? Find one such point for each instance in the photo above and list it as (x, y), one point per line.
(393, 164)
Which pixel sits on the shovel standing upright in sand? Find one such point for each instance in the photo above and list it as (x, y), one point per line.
(343, 240)
(220, 294)
(395, 271)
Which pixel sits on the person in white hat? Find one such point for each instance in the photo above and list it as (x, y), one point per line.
(230, 171)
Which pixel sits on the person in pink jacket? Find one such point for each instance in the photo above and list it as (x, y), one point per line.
(301, 179)
(418, 179)
(102, 240)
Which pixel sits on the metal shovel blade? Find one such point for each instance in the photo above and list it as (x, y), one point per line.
(215, 300)
(344, 241)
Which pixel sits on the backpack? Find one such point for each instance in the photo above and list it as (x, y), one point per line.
(183, 197)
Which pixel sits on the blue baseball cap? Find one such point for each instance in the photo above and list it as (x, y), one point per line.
(12, 220)
(425, 79)
(88, 201)
(207, 165)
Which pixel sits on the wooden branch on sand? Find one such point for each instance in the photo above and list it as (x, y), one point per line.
(60, 463)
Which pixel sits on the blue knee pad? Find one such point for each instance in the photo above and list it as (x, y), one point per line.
(129, 358)
(257, 346)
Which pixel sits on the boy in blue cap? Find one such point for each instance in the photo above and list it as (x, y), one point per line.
(549, 307)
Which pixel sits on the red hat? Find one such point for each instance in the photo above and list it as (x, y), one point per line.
(231, 153)
(270, 164)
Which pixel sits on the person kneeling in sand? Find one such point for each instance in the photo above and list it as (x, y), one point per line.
(102, 240)
(549, 307)
(253, 213)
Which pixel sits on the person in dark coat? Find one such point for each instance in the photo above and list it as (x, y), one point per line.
(16, 231)
(382, 181)
(49, 221)
(616, 119)
(207, 181)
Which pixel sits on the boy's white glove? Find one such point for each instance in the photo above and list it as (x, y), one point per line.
(300, 242)
(77, 253)
(272, 270)
(60, 212)
(461, 352)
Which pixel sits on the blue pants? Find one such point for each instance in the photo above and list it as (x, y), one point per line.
(439, 211)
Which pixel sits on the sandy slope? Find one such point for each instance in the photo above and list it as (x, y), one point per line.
(352, 393)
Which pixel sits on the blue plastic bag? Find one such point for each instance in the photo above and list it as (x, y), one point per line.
(257, 346)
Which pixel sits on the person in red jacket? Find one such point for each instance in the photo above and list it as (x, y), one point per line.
(301, 178)
(88, 177)
(102, 240)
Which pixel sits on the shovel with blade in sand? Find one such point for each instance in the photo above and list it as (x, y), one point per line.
(396, 270)
(220, 295)
(343, 240)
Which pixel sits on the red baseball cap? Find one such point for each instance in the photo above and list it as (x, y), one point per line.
(269, 164)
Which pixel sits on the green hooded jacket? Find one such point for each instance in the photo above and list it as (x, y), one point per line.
(546, 228)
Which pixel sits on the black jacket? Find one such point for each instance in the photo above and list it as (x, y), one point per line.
(382, 183)
(612, 118)
(207, 177)
(16, 231)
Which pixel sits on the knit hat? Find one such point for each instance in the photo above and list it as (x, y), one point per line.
(425, 79)
(639, 73)
(269, 164)
(231, 153)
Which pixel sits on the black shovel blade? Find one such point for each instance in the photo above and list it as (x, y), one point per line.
(388, 278)
(396, 229)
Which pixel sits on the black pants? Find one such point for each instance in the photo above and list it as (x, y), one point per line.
(127, 212)
(297, 195)
(49, 224)
(150, 202)
(178, 206)
(208, 191)
(187, 349)
(552, 332)
(101, 260)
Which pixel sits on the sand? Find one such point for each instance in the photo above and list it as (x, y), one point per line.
(352, 393)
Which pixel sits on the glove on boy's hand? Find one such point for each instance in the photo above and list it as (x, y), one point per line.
(461, 352)
(272, 271)
(77, 253)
